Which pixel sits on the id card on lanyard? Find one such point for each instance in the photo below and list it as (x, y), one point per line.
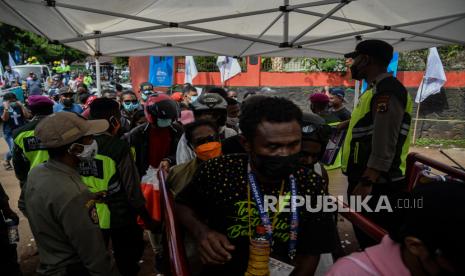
(254, 190)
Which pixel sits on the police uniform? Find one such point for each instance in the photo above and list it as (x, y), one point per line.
(112, 176)
(378, 137)
(60, 208)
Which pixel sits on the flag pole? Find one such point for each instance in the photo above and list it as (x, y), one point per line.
(418, 112)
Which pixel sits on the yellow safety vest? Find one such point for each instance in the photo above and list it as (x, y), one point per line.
(32, 148)
(97, 174)
(357, 144)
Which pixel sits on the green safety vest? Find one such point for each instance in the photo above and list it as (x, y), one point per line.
(357, 144)
(97, 175)
(31, 147)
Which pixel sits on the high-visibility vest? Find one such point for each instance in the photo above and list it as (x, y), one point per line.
(357, 144)
(31, 148)
(97, 175)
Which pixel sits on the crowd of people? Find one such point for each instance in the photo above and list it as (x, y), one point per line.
(80, 159)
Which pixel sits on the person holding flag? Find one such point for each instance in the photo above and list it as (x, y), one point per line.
(378, 137)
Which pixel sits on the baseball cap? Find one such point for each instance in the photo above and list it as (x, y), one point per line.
(37, 100)
(379, 49)
(337, 92)
(146, 86)
(63, 128)
(319, 98)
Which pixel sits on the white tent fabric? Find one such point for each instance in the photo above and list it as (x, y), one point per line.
(319, 28)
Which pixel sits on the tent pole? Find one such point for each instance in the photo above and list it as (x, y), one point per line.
(97, 67)
(418, 113)
(286, 23)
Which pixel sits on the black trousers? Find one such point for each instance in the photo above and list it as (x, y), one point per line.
(390, 221)
(128, 247)
(8, 256)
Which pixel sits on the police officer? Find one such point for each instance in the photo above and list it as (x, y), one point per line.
(60, 208)
(28, 152)
(113, 175)
(377, 141)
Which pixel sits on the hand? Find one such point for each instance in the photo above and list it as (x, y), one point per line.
(6, 105)
(214, 247)
(362, 190)
(165, 165)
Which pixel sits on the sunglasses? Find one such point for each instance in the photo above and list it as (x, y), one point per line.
(134, 102)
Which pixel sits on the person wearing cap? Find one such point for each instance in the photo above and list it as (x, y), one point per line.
(209, 106)
(113, 176)
(378, 137)
(66, 102)
(28, 152)
(428, 243)
(10, 76)
(156, 141)
(60, 208)
(146, 90)
(14, 115)
(336, 104)
(319, 105)
(177, 97)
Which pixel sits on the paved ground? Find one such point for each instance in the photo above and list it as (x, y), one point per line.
(28, 251)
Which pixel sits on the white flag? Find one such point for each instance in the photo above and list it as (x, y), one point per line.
(63, 64)
(229, 67)
(11, 61)
(434, 77)
(1, 74)
(87, 65)
(190, 71)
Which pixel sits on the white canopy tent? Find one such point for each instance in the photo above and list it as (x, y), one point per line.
(291, 28)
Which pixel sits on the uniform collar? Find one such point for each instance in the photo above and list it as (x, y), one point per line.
(62, 167)
(378, 79)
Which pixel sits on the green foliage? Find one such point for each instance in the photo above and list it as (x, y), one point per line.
(444, 143)
(120, 61)
(30, 44)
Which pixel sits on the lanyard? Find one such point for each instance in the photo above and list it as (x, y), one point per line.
(254, 190)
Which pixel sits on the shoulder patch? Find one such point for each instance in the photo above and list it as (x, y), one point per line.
(92, 210)
(382, 103)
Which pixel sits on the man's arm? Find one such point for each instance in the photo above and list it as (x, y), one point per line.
(85, 235)
(388, 114)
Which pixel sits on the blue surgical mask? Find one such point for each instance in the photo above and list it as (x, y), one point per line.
(144, 97)
(194, 98)
(130, 106)
(164, 122)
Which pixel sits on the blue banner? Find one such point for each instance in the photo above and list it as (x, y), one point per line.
(161, 71)
(392, 68)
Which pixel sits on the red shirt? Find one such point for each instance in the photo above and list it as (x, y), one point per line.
(159, 145)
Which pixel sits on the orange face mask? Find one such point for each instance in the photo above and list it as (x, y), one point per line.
(208, 150)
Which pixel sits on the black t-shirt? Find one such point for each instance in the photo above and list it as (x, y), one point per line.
(219, 195)
(343, 114)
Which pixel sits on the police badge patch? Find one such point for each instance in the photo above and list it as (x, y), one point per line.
(382, 104)
(90, 205)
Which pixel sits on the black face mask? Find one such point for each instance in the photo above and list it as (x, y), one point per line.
(355, 72)
(68, 102)
(276, 166)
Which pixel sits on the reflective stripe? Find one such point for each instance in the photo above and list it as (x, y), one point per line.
(404, 132)
(362, 129)
(359, 135)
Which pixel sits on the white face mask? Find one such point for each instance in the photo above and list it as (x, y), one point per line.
(232, 121)
(88, 151)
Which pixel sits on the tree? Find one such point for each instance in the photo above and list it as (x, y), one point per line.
(30, 44)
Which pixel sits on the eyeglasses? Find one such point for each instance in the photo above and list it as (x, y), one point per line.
(134, 102)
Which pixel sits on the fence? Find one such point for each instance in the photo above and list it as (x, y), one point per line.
(206, 64)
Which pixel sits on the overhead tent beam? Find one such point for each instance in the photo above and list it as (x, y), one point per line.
(262, 33)
(73, 28)
(429, 30)
(320, 20)
(391, 28)
(329, 38)
(303, 48)
(186, 24)
(164, 45)
(24, 19)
